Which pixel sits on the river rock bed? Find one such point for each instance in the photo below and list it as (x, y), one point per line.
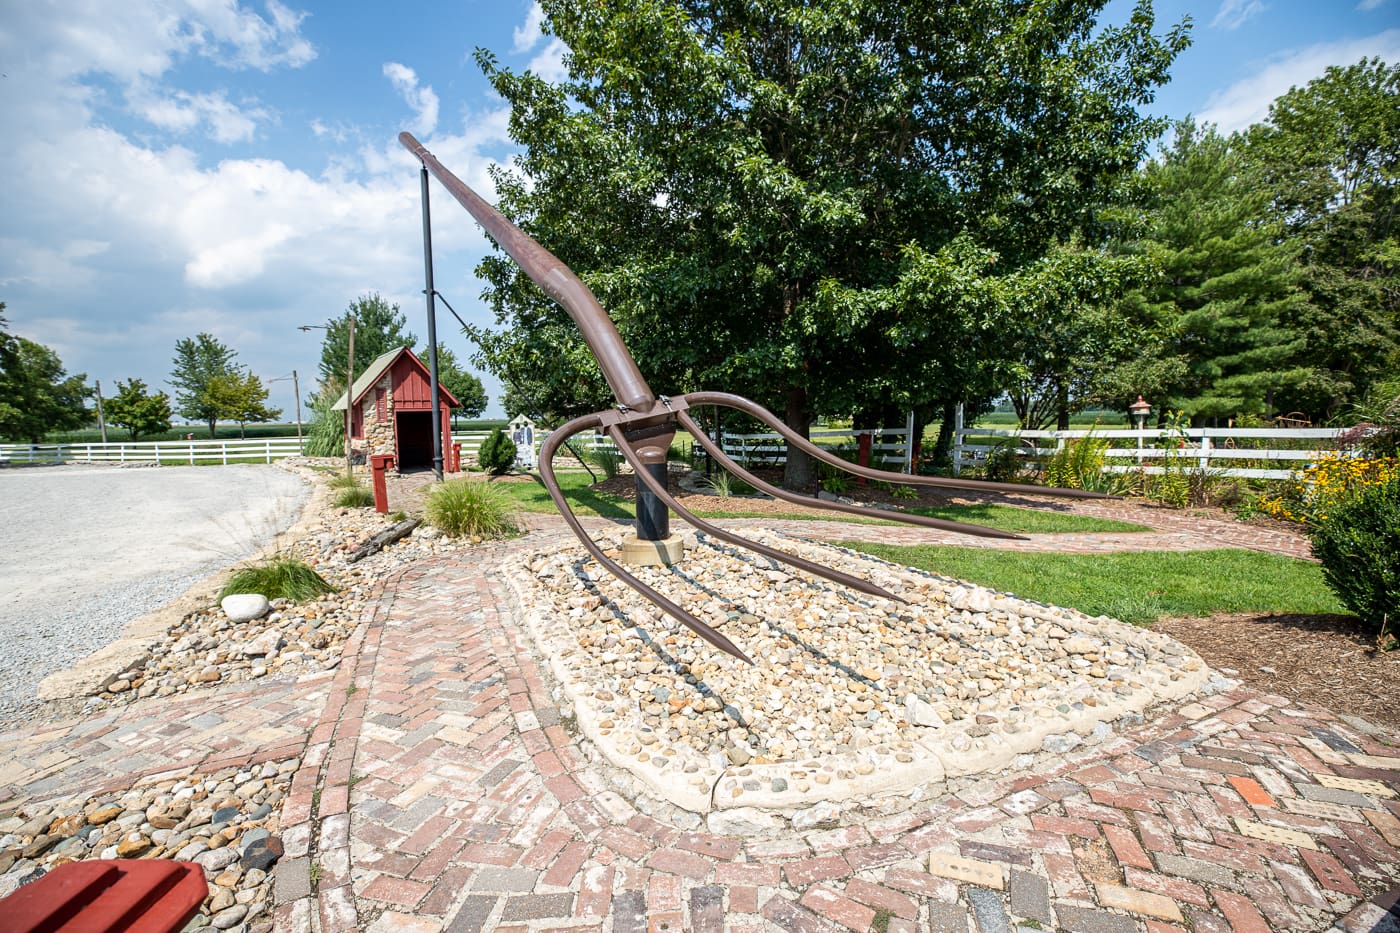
(227, 822)
(207, 648)
(850, 696)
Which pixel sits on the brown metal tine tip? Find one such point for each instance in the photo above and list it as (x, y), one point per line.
(835, 576)
(547, 452)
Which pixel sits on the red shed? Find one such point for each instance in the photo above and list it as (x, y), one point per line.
(392, 411)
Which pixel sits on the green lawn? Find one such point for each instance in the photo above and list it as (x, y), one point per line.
(1138, 587)
(532, 497)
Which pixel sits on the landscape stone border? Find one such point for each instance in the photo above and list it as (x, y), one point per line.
(917, 762)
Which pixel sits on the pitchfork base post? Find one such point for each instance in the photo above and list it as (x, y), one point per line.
(639, 552)
(653, 519)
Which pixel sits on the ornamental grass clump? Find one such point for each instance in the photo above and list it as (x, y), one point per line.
(1358, 544)
(279, 578)
(470, 507)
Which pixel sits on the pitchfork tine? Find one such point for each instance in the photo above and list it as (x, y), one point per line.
(755, 410)
(715, 451)
(836, 576)
(547, 451)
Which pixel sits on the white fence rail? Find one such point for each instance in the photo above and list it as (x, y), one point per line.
(165, 453)
(1218, 449)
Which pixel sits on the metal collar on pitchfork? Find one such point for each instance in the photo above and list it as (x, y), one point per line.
(643, 424)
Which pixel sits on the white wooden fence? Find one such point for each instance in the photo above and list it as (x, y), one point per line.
(1218, 449)
(164, 453)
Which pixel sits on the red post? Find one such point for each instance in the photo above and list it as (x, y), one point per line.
(379, 463)
(456, 458)
(863, 455)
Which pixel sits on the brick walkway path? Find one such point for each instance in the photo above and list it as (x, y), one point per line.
(439, 790)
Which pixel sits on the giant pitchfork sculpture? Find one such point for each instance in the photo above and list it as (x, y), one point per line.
(643, 424)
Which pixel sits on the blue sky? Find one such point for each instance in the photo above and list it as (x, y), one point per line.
(211, 165)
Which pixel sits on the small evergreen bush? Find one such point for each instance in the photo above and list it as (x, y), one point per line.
(1358, 543)
(279, 578)
(497, 453)
(469, 506)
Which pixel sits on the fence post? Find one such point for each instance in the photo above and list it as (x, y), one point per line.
(909, 443)
(957, 438)
(157, 453)
(1205, 450)
(269, 451)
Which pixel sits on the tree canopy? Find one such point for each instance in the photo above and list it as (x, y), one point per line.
(36, 394)
(200, 369)
(464, 386)
(137, 410)
(748, 185)
(379, 328)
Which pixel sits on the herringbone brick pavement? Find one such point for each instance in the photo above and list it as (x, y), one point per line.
(447, 795)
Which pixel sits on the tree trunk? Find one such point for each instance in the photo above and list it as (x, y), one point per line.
(212, 423)
(798, 473)
(943, 447)
(1062, 406)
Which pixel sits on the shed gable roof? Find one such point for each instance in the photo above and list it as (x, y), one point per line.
(382, 364)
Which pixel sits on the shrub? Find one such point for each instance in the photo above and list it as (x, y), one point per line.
(497, 453)
(1004, 461)
(1358, 543)
(469, 506)
(1320, 489)
(1078, 464)
(325, 436)
(278, 578)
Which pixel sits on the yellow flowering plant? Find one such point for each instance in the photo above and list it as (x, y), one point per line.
(1335, 479)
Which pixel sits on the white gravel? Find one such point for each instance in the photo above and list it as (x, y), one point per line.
(86, 549)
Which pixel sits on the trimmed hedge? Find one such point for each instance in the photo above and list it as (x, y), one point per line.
(1358, 543)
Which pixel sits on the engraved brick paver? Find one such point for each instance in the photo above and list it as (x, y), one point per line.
(439, 788)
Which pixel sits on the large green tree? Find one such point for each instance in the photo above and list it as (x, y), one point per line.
(36, 393)
(138, 410)
(242, 397)
(731, 178)
(464, 386)
(1329, 156)
(1222, 310)
(379, 327)
(199, 371)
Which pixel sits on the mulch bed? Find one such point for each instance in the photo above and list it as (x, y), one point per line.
(1327, 660)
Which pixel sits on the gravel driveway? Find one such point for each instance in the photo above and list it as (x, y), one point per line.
(86, 549)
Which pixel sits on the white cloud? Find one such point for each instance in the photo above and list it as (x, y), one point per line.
(1366, 6)
(1233, 13)
(422, 100)
(182, 112)
(1247, 101)
(116, 243)
(549, 63)
(527, 35)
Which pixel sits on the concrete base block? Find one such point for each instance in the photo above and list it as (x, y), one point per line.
(641, 553)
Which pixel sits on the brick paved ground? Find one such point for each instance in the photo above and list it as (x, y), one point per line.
(439, 790)
(471, 807)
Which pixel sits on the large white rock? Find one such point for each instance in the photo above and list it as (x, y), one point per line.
(245, 607)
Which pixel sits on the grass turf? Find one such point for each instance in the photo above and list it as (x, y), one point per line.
(532, 497)
(1134, 586)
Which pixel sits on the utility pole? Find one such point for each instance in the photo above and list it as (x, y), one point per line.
(432, 331)
(296, 390)
(350, 396)
(101, 421)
